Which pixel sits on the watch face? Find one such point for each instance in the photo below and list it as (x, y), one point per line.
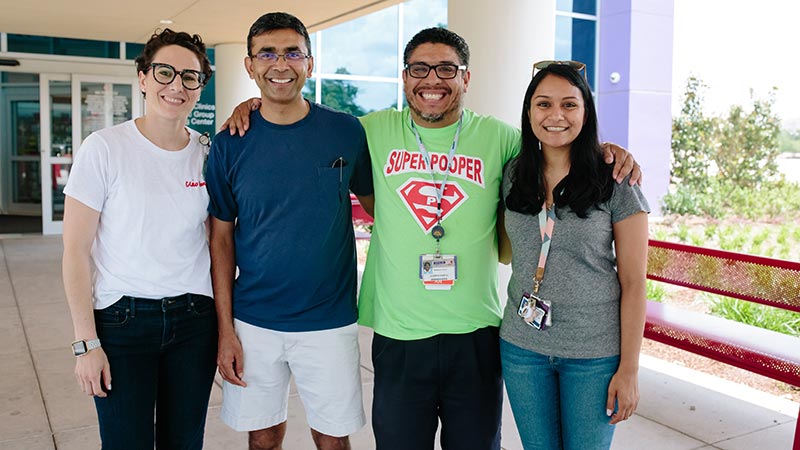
(79, 347)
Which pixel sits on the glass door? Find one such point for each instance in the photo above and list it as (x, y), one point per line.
(74, 107)
(20, 189)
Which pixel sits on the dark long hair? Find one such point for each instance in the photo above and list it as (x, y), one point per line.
(589, 181)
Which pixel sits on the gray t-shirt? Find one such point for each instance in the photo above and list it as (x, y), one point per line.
(580, 278)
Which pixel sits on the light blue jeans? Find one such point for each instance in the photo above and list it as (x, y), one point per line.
(558, 403)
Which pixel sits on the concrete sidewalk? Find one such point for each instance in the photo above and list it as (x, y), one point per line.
(41, 407)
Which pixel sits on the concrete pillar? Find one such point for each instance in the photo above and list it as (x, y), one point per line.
(635, 85)
(233, 85)
(505, 38)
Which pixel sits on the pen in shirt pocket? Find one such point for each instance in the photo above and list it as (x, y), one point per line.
(339, 162)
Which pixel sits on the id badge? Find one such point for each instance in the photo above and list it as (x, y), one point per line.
(438, 272)
(534, 311)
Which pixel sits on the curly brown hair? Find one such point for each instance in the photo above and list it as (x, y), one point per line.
(165, 37)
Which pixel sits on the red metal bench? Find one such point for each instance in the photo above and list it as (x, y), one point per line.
(756, 279)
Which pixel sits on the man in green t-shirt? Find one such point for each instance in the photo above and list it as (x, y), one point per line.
(436, 348)
(429, 289)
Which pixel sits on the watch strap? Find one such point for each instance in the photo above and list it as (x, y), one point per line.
(82, 347)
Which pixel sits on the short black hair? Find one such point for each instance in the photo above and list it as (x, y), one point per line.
(163, 38)
(277, 21)
(438, 35)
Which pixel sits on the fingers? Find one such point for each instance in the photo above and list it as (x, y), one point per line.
(624, 408)
(90, 384)
(93, 373)
(96, 387)
(636, 175)
(225, 125)
(242, 123)
(623, 166)
(107, 377)
(239, 121)
(608, 152)
(230, 361)
(239, 366)
(231, 372)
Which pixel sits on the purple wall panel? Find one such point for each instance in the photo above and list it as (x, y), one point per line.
(636, 44)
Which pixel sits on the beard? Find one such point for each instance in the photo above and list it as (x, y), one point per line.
(433, 117)
(428, 117)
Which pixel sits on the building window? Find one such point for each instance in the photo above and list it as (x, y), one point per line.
(358, 64)
(576, 34)
(23, 43)
(132, 50)
(578, 6)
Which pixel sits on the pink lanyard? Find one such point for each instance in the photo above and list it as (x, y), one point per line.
(547, 220)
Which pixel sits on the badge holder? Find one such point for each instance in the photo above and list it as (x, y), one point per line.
(534, 311)
(438, 272)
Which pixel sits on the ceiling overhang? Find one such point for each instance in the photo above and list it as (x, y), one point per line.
(217, 22)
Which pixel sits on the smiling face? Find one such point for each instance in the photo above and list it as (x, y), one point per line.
(435, 103)
(557, 112)
(281, 82)
(170, 101)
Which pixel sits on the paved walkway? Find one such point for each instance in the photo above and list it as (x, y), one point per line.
(41, 407)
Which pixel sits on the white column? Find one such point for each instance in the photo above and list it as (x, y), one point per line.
(232, 84)
(505, 38)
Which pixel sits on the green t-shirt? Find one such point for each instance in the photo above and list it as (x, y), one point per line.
(393, 300)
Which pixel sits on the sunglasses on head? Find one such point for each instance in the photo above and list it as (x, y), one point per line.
(577, 65)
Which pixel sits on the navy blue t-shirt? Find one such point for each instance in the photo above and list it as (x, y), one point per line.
(287, 188)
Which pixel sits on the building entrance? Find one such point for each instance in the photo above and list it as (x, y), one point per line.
(42, 116)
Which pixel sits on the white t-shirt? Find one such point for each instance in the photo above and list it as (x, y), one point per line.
(151, 239)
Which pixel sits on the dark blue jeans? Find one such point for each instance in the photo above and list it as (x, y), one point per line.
(162, 355)
(455, 378)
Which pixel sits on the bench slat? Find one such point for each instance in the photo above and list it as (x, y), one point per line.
(774, 355)
(772, 282)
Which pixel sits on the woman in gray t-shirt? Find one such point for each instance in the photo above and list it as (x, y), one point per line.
(573, 324)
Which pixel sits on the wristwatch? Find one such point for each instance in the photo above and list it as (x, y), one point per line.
(80, 348)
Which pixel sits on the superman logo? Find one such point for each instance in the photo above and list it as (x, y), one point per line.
(419, 197)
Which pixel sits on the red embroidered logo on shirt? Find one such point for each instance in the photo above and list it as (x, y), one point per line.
(420, 198)
(194, 183)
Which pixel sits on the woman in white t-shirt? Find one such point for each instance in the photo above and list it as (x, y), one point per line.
(136, 264)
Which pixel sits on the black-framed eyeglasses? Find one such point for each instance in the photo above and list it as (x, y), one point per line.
(577, 65)
(443, 71)
(273, 57)
(190, 79)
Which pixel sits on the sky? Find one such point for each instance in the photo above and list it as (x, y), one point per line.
(736, 45)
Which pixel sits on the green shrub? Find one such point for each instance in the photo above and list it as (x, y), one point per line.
(656, 291)
(721, 199)
(775, 319)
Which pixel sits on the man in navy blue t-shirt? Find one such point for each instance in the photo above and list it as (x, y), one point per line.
(281, 213)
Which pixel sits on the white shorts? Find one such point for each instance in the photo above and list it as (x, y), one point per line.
(326, 369)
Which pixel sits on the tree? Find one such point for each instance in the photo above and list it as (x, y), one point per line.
(337, 94)
(692, 138)
(743, 146)
(748, 144)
